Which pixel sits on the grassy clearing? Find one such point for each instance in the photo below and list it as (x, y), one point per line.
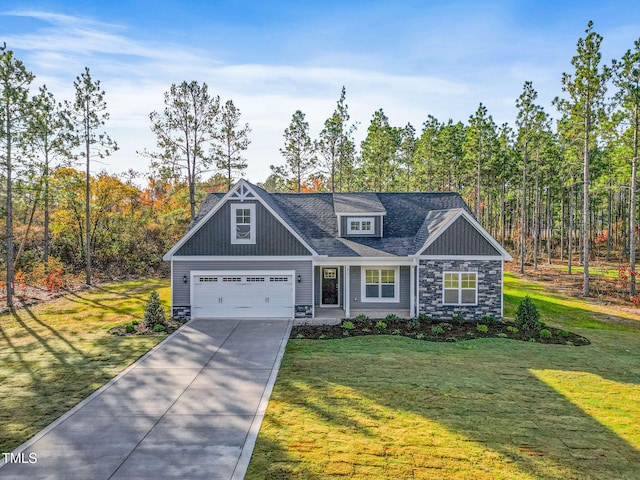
(391, 407)
(594, 270)
(55, 354)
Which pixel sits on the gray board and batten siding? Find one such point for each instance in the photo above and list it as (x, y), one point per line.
(181, 290)
(355, 291)
(214, 237)
(461, 238)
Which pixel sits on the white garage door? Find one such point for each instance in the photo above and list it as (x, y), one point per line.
(233, 295)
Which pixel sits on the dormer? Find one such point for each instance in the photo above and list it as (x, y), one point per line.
(359, 215)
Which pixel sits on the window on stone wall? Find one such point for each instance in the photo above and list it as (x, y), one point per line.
(460, 288)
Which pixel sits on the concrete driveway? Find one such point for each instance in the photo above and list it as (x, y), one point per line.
(191, 408)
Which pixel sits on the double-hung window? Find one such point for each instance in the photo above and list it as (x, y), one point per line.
(460, 288)
(380, 284)
(243, 223)
(360, 225)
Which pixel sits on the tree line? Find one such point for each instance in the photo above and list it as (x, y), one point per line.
(543, 187)
(57, 218)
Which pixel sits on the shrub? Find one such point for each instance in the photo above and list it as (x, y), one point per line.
(489, 320)
(420, 336)
(159, 328)
(544, 333)
(512, 329)
(392, 317)
(129, 328)
(362, 318)
(413, 324)
(380, 325)
(482, 328)
(527, 315)
(423, 317)
(457, 320)
(134, 322)
(446, 326)
(437, 329)
(366, 330)
(501, 335)
(564, 333)
(153, 312)
(347, 325)
(300, 336)
(396, 331)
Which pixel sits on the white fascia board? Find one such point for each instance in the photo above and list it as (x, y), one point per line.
(363, 261)
(460, 257)
(167, 256)
(474, 223)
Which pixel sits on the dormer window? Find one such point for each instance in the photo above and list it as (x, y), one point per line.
(243, 223)
(360, 225)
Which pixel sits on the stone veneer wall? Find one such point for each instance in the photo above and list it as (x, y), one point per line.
(181, 312)
(489, 288)
(304, 311)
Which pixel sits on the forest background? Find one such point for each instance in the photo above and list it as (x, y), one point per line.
(554, 186)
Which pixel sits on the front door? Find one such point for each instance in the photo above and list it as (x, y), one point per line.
(329, 286)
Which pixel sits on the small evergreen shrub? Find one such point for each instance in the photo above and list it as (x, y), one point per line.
(544, 333)
(129, 328)
(366, 330)
(512, 329)
(134, 322)
(362, 318)
(437, 329)
(423, 317)
(347, 325)
(489, 320)
(380, 325)
(153, 312)
(482, 328)
(420, 336)
(392, 317)
(457, 320)
(396, 331)
(564, 333)
(527, 315)
(158, 327)
(446, 326)
(413, 324)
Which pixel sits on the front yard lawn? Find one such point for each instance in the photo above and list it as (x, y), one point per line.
(54, 355)
(393, 407)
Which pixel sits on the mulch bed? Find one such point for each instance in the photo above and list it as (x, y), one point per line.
(434, 331)
(141, 328)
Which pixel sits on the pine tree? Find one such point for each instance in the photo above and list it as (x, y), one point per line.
(232, 140)
(299, 151)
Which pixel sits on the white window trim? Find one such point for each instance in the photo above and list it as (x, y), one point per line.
(363, 285)
(459, 288)
(252, 228)
(360, 220)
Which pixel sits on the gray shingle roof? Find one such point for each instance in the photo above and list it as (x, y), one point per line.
(357, 203)
(410, 218)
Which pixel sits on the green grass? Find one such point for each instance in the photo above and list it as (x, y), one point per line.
(55, 354)
(594, 270)
(391, 407)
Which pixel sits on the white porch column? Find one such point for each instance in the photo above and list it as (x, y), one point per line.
(412, 291)
(347, 291)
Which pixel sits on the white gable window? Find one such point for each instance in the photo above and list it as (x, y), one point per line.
(359, 225)
(460, 288)
(243, 223)
(380, 284)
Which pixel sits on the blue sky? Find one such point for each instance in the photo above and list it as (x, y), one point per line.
(410, 58)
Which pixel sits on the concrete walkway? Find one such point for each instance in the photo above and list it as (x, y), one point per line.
(190, 409)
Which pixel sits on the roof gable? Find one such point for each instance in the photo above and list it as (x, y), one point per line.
(242, 191)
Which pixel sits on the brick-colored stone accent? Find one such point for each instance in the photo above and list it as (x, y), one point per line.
(489, 288)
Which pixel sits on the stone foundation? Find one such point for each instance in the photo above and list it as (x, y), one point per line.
(304, 311)
(430, 294)
(181, 312)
